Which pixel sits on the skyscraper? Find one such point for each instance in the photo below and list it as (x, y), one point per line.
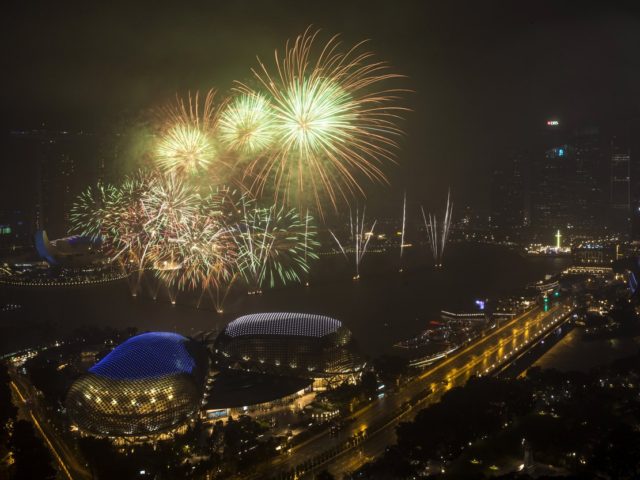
(620, 187)
(589, 182)
(551, 196)
(569, 181)
(45, 172)
(508, 196)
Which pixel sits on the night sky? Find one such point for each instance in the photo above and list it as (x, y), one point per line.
(485, 75)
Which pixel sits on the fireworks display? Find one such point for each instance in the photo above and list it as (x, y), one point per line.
(185, 148)
(438, 234)
(274, 244)
(187, 141)
(115, 215)
(306, 133)
(195, 240)
(246, 124)
(334, 122)
(92, 211)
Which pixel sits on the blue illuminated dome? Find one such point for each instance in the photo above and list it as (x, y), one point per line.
(150, 384)
(148, 355)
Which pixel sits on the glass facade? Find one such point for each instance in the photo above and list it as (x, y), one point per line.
(296, 344)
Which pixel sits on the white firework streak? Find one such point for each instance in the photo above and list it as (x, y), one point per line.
(438, 237)
(404, 222)
(358, 237)
(446, 224)
(306, 234)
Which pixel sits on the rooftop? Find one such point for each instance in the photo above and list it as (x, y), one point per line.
(147, 355)
(283, 323)
(234, 389)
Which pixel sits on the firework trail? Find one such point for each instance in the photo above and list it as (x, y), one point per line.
(431, 235)
(404, 223)
(446, 224)
(307, 218)
(438, 234)
(334, 124)
(358, 239)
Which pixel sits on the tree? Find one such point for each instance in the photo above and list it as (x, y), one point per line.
(369, 383)
(390, 368)
(464, 415)
(392, 465)
(162, 458)
(618, 454)
(241, 441)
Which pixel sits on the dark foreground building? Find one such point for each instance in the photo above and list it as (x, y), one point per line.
(149, 385)
(291, 344)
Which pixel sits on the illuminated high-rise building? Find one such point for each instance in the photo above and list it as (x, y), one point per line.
(569, 181)
(551, 191)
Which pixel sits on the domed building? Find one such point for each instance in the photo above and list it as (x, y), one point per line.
(148, 385)
(291, 344)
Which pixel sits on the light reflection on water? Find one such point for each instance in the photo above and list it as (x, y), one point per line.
(381, 308)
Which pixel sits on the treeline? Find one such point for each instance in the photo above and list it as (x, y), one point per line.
(562, 424)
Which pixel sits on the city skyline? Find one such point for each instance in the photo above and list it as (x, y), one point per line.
(329, 241)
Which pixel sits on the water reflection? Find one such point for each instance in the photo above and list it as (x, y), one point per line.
(380, 309)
